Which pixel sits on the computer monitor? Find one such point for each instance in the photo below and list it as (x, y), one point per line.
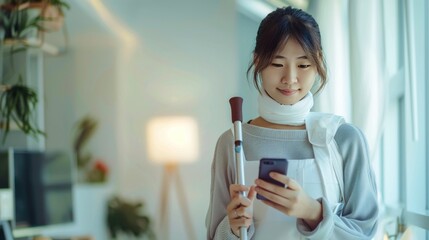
(42, 190)
(4, 173)
(6, 196)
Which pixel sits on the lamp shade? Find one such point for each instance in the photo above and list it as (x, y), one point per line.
(172, 140)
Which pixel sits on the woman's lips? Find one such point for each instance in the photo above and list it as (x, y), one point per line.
(288, 92)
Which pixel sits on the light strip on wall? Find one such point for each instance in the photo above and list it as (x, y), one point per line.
(126, 55)
(121, 31)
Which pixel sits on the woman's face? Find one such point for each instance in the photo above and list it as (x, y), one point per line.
(290, 75)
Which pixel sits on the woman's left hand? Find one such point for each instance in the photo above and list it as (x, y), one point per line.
(292, 200)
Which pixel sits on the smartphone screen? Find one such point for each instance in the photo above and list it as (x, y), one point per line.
(267, 165)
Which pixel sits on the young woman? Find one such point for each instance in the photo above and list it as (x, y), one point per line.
(330, 190)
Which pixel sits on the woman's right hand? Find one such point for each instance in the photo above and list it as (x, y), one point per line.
(240, 209)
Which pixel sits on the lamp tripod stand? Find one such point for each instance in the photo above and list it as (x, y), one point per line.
(171, 176)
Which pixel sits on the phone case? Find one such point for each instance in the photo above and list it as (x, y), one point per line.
(267, 165)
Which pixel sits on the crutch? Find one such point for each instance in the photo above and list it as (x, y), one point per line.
(236, 114)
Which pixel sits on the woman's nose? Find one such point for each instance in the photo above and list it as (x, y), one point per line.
(289, 76)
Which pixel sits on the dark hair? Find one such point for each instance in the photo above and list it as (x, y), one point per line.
(276, 28)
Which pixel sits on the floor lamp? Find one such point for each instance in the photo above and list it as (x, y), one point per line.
(172, 141)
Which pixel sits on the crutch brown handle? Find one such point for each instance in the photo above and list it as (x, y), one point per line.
(236, 106)
(237, 118)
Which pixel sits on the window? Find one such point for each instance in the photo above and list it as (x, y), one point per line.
(404, 152)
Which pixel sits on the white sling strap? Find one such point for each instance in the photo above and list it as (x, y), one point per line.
(337, 162)
(321, 128)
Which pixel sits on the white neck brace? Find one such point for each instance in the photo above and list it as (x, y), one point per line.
(275, 112)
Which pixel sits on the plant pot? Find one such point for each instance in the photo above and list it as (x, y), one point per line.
(53, 18)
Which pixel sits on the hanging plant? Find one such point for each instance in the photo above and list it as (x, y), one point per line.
(17, 103)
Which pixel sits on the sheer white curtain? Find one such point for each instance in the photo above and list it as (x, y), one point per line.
(332, 18)
(367, 68)
(352, 36)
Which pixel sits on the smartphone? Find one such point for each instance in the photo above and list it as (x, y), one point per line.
(267, 165)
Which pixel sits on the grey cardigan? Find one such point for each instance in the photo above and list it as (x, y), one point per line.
(359, 216)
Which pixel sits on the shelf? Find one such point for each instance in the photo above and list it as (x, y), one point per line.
(33, 42)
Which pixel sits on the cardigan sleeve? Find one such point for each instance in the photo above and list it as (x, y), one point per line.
(222, 175)
(358, 219)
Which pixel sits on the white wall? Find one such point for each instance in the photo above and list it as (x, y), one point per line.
(184, 62)
(246, 37)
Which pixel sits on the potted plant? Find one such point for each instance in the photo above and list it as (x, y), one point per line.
(90, 169)
(128, 218)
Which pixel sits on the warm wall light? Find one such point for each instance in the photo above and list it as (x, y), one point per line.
(171, 141)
